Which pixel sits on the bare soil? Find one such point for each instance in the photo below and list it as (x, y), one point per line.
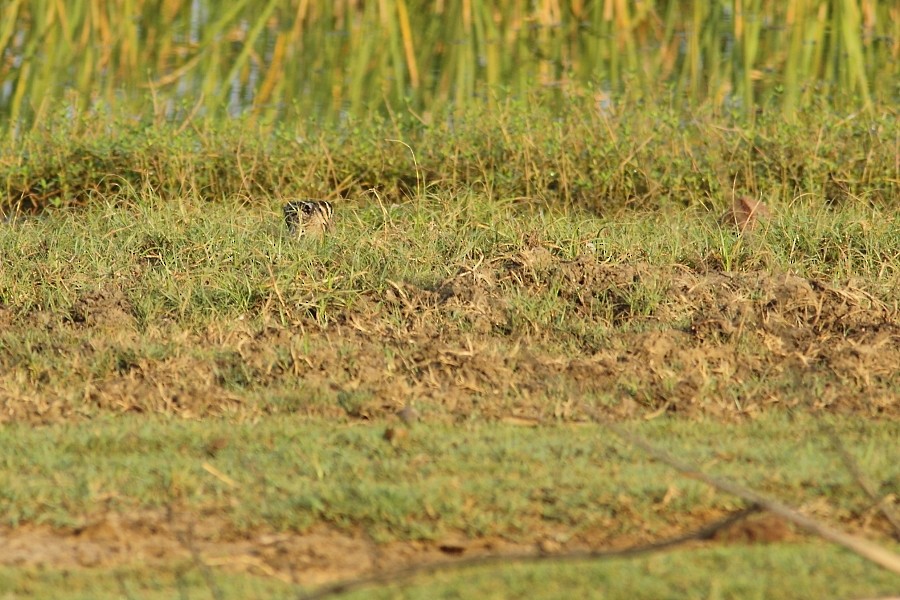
(633, 339)
(320, 556)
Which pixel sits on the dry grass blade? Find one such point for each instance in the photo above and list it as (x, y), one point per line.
(863, 547)
(247, 48)
(408, 47)
(10, 15)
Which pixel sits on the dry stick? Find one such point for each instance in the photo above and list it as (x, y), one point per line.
(861, 546)
(187, 542)
(862, 480)
(704, 533)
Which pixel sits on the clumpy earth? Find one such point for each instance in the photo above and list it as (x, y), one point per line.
(628, 339)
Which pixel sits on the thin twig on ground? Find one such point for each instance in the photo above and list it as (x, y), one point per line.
(863, 547)
(187, 541)
(861, 479)
(704, 533)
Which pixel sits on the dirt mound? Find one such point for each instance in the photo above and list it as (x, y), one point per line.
(103, 310)
(525, 335)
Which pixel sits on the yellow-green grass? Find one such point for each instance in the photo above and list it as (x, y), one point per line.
(481, 479)
(774, 571)
(192, 261)
(516, 150)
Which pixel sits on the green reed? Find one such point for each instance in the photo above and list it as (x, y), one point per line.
(290, 59)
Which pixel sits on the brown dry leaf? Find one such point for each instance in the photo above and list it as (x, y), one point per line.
(763, 529)
(395, 435)
(745, 213)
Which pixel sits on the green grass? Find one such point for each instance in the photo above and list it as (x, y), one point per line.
(776, 571)
(195, 262)
(482, 479)
(512, 149)
(178, 581)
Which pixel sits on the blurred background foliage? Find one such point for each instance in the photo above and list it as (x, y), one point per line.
(322, 62)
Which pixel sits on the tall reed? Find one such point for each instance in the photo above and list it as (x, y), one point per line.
(290, 59)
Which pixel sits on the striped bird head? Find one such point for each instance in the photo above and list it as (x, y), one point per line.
(308, 218)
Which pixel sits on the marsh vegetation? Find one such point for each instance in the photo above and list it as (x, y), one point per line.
(298, 61)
